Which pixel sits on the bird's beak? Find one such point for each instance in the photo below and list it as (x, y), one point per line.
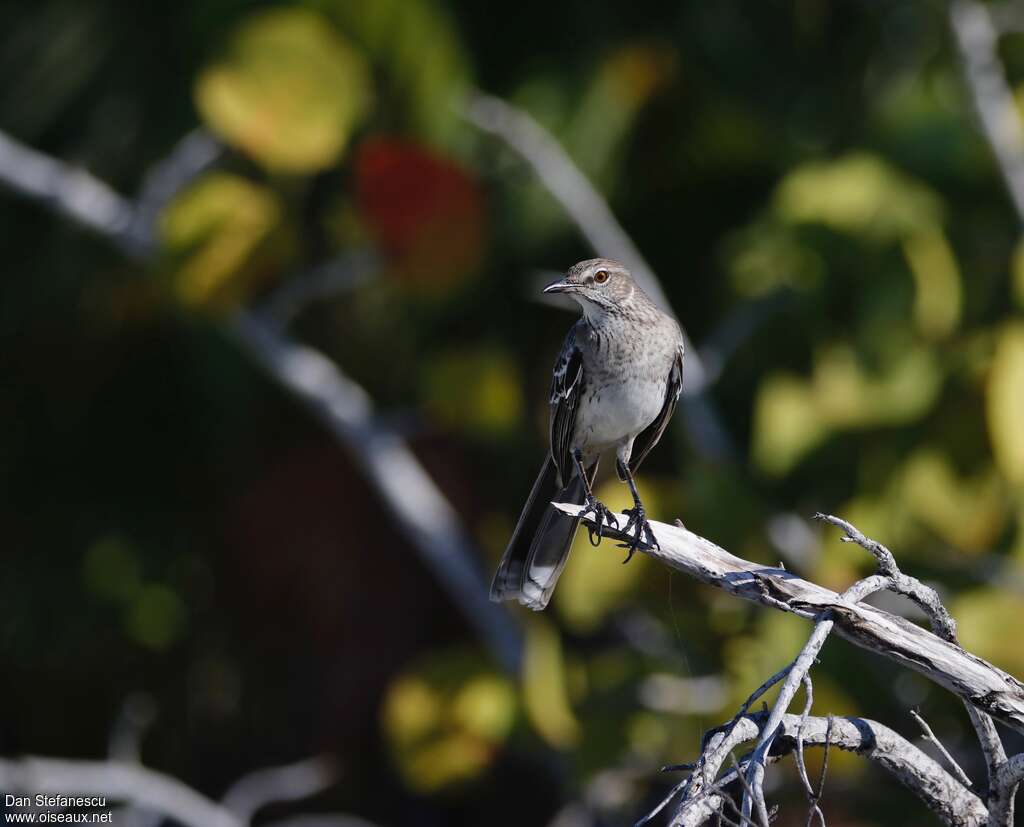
(560, 286)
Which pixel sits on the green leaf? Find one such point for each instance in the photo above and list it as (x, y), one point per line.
(418, 53)
(545, 685)
(156, 618)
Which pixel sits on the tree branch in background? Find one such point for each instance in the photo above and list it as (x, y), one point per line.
(423, 513)
(252, 792)
(420, 510)
(977, 39)
(70, 192)
(129, 783)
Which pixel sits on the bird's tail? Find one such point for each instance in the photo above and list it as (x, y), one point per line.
(540, 545)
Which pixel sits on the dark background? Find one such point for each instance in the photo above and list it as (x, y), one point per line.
(181, 537)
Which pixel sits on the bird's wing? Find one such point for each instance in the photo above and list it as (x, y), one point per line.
(566, 387)
(649, 437)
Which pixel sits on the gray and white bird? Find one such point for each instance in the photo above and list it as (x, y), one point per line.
(615, 386)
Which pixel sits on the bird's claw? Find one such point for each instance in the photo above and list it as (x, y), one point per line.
(638, 518)
(602, 514)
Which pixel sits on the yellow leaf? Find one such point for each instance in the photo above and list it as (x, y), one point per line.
(545, 690)
(288, 93)
(1005, 402)
(986, 628)
(444, 722)
(214, 231)
(968, 513)
(595, 581)
(485, 706)
(937, 293)
(786, 424)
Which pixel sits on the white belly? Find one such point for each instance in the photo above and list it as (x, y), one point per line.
(617, 413)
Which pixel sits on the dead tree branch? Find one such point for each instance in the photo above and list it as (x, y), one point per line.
(985, 686)
(985, 689)
(918, 772)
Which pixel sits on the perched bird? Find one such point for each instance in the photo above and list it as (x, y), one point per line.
(615, 386)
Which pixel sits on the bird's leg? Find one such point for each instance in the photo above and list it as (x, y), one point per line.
(602, 514)
(637, 516)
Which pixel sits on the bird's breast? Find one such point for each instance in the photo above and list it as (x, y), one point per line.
(616, 410)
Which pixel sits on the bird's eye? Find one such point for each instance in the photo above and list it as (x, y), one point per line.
(601, 276)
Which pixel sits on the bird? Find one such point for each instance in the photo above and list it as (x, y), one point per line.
(615, 386)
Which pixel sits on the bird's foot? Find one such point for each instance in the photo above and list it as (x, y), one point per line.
(602, 514)
(638, 518)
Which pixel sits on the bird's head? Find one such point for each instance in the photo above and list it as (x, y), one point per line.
(598, 284)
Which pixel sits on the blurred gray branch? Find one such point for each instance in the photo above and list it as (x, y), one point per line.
(423, 513)
(419, 508)
(71, 192)
(291, 782)
(116, 781)
(977, 38)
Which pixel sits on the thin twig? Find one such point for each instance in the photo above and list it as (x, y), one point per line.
(326, 280)
(797, 672)
(824, 760)
(930, 736)
(801, 767)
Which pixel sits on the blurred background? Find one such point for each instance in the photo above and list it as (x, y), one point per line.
(230, 419)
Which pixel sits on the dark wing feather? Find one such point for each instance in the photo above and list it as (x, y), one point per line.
(649, 437)
(566, 387)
